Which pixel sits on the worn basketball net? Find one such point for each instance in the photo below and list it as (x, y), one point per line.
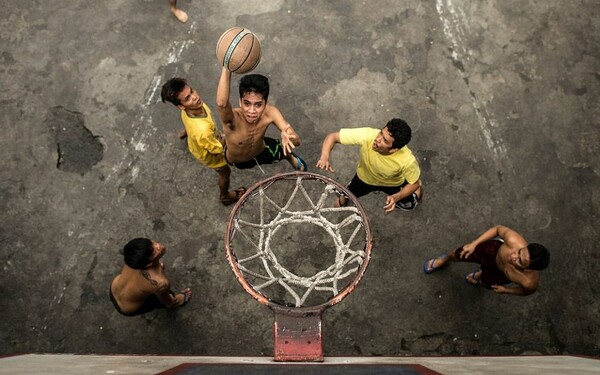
(294, 251)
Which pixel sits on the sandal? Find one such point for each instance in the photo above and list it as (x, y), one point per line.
(429, 265)
(300, 164)
(187, 296)
(473, 278)
(238, 194)
(341, 199)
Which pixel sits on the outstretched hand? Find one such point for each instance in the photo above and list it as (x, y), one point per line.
(324, 164)
(286, 142)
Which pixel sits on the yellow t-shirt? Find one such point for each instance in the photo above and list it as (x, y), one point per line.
(203, 139)
(377, 169)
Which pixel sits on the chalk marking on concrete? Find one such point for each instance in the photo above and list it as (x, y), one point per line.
(143, 125)
(454, 23)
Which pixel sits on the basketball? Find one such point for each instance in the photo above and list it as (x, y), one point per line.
(238, 49)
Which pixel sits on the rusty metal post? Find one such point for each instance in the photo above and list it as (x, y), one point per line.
(298, 338)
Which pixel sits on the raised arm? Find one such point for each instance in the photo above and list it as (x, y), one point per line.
(223, 105)
(328, 143)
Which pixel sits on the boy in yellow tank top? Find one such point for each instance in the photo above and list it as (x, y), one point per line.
(204, 141)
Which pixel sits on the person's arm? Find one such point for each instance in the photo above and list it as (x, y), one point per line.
(493, 232)
(330, 140)
(164, 295)
(516, 290)
(223, 105)
(407, 190)
(524, 282)
(289, 138)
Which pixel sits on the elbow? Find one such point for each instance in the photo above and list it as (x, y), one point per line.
(528, 289)
(332, 138)
(221, 104)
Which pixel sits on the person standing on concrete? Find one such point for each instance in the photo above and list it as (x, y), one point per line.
(204, 141)
(178, 13)
(142, 285)
(245, 127)
(509, 259)
(386, 164)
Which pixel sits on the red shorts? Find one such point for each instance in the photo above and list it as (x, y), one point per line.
(485, 254)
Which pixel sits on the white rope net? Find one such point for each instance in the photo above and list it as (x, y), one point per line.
(324, 244)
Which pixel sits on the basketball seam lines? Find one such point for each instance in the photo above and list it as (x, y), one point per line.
(233, 45)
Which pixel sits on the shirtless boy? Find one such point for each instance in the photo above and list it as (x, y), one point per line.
(245, 127)
(503, 261)
(142, 285)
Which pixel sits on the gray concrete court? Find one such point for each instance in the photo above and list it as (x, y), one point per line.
(502, 97)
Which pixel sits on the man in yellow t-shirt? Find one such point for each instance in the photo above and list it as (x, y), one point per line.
(386, 164)
(204, 141)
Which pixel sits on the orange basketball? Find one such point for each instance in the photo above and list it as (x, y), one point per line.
(238, 49)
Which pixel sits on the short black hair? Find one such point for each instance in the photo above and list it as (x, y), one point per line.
(401, 132)
(137, 253)
(539, 256)
(171, 90)
(256, 83)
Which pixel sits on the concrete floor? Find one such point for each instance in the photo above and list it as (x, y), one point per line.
(502, 97)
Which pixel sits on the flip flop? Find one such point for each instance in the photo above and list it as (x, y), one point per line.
(473, 276)
(428, 267)
(186, 297)
(238, 194)
(301, 164)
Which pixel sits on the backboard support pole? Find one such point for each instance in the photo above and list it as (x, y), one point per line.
(298, 338)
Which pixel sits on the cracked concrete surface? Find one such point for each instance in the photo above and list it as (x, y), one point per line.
(502, 97)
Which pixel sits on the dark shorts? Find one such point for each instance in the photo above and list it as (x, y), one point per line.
(359, 188)
(485, 255)
(151, 303)
(272, 153)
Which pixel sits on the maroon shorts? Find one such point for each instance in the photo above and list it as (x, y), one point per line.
(485, 255)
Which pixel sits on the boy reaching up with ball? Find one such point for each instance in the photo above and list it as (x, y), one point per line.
(245, 143)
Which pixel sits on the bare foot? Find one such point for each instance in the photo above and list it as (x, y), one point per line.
(182, 134)
(180, 15)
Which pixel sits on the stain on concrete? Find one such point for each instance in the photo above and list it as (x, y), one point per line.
(77, 148)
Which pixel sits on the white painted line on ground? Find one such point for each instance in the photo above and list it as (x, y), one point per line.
(143, 125)
(454, 23)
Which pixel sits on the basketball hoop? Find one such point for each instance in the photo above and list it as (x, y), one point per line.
(280, 242)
